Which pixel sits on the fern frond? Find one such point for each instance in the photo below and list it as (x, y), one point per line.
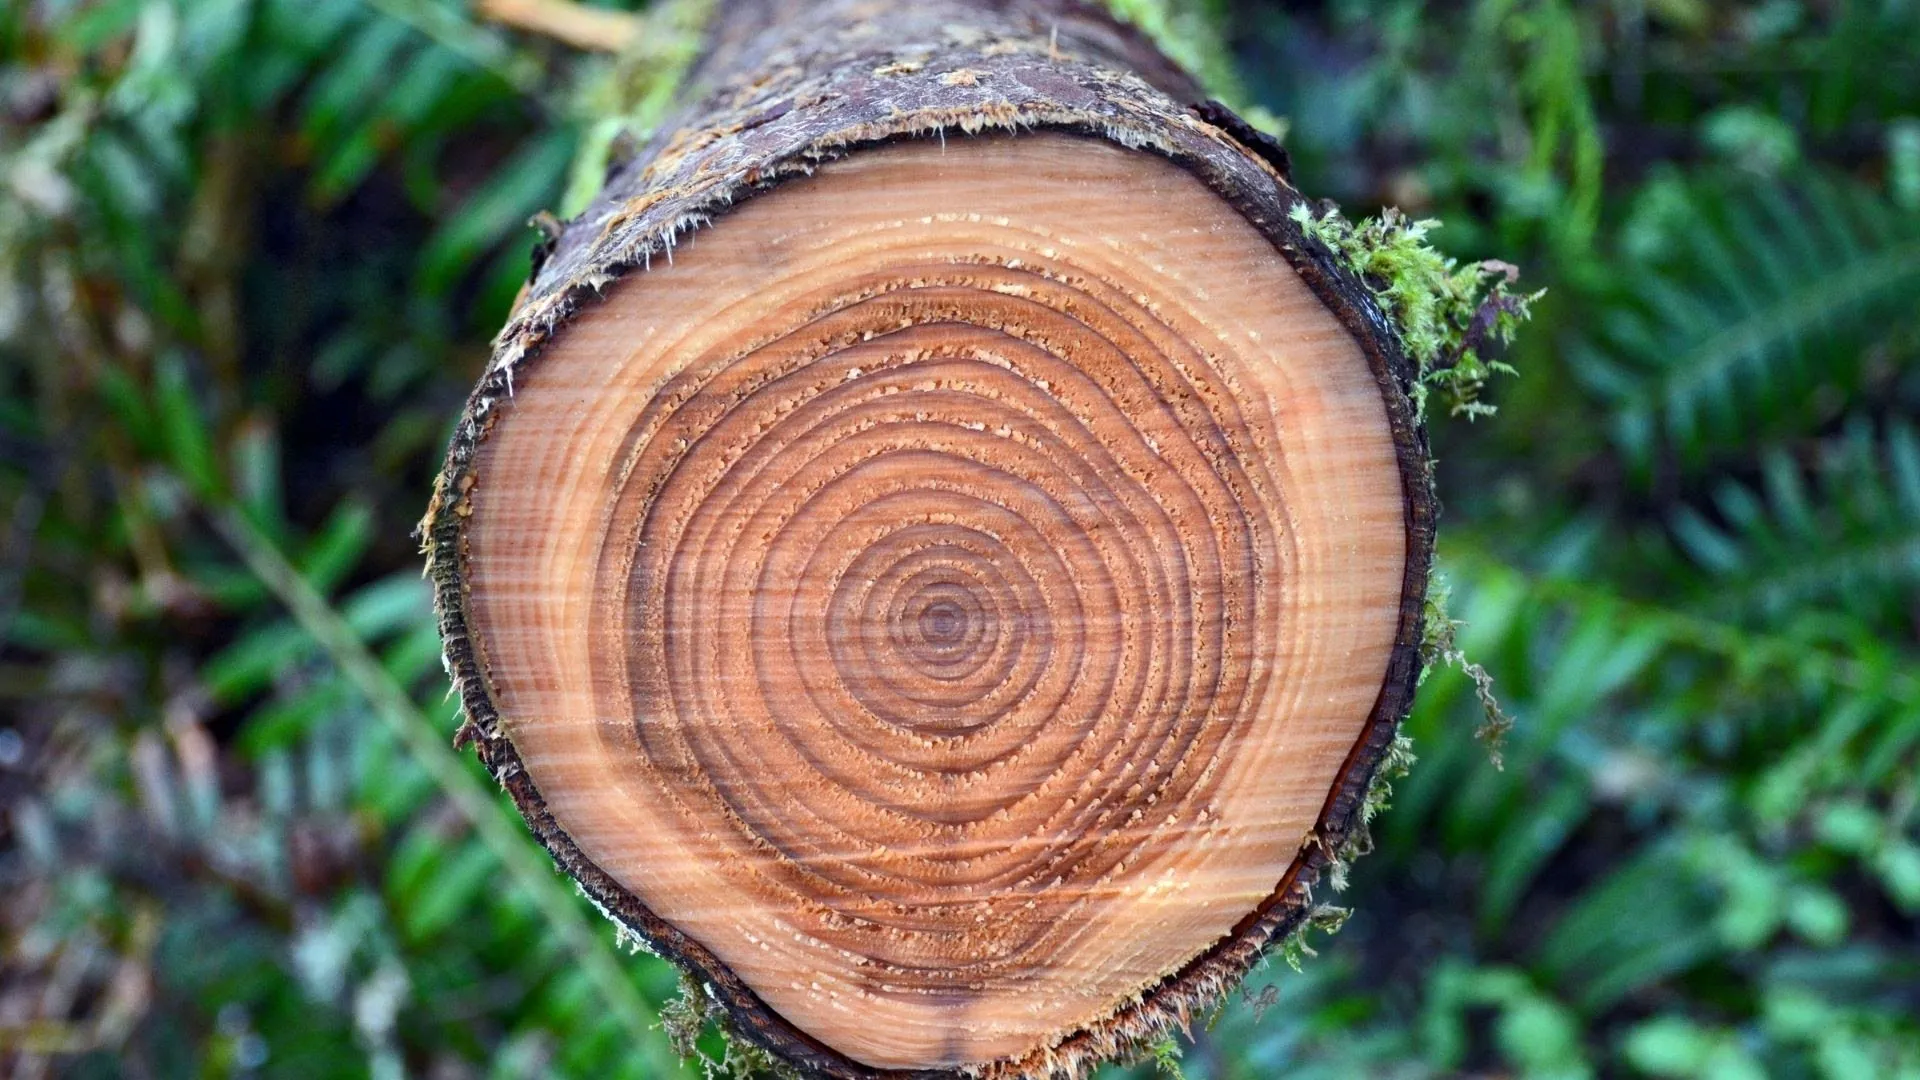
(1845, 535)
(1776, 300)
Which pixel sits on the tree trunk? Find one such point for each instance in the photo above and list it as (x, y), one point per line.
(937, 553)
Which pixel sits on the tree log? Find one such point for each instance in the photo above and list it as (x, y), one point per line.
(937, 553)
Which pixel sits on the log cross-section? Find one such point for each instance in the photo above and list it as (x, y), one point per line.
(937, 553)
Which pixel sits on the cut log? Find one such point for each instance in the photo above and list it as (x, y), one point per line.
(949, 592)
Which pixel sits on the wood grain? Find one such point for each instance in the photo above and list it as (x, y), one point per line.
(948, 590)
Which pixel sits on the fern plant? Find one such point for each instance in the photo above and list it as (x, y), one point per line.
(1769, 307)
(1844, 539)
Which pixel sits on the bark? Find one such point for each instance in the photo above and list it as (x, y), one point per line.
(785, 86)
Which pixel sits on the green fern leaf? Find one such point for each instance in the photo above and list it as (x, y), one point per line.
(1775, 302)
(1845, 536)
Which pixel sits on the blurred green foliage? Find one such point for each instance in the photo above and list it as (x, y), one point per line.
(250, 253)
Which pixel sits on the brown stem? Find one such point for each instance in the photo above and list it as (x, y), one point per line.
(582, 27)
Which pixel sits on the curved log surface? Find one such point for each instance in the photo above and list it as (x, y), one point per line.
(956, 606)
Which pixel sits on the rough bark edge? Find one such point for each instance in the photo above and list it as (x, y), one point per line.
(1114, 106)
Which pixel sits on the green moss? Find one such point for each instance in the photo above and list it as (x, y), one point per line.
(688, 1017)
(1165, 1055)
(1325, 918)
(1450, 316)
(1440, 645)
(1329, 918)
(1399, 758)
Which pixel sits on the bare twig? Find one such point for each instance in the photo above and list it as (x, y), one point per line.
(582, 27)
